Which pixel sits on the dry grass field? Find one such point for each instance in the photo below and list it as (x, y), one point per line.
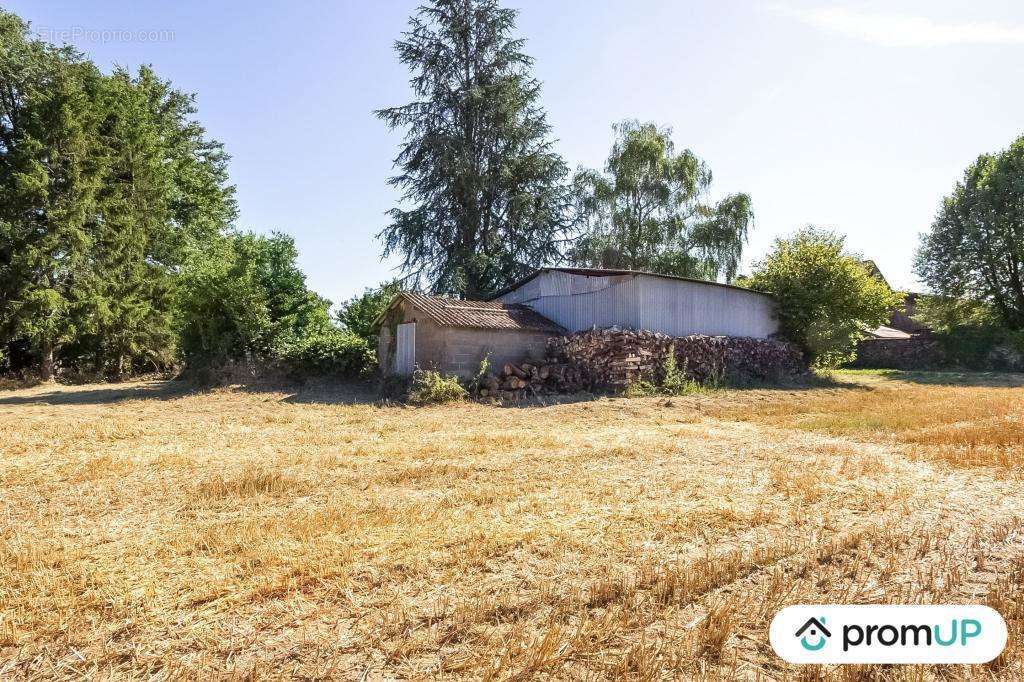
(151, 532)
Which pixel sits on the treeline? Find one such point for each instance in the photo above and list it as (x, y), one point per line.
(118, 253)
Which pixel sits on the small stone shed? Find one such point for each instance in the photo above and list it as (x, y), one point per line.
(452, 336)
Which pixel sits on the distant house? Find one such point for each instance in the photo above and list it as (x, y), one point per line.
(901, 323)
(903, 343)
(453, 336)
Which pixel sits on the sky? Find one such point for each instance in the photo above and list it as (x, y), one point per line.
(857, 116)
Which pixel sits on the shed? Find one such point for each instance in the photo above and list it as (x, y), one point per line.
(582, 298)
(453, 336)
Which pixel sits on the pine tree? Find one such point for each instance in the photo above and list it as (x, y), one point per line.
(132, 314)
(477, 167)
(50, 168)
(107, 187)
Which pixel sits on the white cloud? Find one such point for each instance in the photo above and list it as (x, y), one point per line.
(905, 31)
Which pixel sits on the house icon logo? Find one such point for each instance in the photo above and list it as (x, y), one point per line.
(813, 634)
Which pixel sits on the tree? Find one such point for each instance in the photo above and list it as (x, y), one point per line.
(51, 165)
(648, 210)
(975, 249)
(106, 183)
(476, 164)
(165, 195)
(826, 298)
(359, 312)
(243, 297)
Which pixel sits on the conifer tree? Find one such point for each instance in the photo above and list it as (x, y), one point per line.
(51, 165)
(483, 194)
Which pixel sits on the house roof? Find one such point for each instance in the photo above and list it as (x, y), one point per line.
(874, 271)
(884, 332)
(449, 312)
(612, 272)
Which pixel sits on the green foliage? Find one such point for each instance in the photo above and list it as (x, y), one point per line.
(433, 387)
(648, 210)
(826, 298)
(945, 314)
(247, 299)
(244, 296)
(971, 333)
(106, 183)
(477, 165)
(975, 250)
(477, 382)
(640, 388)
(358, 313)
(50, 170)
(672, 380)
(326, 352)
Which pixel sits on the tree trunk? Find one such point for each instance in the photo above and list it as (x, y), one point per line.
(46, 367)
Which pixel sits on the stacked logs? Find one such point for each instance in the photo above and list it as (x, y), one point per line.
(614, 357)
(518, 381)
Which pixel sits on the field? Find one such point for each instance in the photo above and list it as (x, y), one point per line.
(150, 531)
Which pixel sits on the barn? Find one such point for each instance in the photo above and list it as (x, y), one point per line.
(582, 298)
(453, 336)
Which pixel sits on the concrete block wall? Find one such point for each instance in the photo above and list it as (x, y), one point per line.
(465, 348)
(455, 350)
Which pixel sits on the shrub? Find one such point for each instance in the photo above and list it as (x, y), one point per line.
(433, 387)
(672, 380)
(675, 381)
(826, 298)
(329, 351)
(640, 388)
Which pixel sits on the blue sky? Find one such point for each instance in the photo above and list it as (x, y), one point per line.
(858, 116)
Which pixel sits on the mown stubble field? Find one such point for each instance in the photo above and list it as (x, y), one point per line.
(148, 531)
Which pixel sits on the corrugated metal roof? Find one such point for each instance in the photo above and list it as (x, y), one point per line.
(612, 272)
(481, 314)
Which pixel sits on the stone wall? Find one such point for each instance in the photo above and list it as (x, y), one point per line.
(919, 353)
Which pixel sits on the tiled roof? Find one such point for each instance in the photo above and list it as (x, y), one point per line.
(481, 314)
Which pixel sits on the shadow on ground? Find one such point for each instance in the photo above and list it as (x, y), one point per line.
(944, 378)
(85, 395)
(327, 392)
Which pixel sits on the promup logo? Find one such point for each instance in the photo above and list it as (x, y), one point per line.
(888, 634)
(817, 629)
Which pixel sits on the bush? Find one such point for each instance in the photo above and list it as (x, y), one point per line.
(671, 380)
(826, 298)
(676, 381)
(640, 388)
(433, 387)
(326, 352)
(358, 313)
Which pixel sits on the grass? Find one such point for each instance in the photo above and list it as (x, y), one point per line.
(151, 532)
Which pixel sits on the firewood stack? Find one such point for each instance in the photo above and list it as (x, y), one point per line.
(518, 381)
(614, 357)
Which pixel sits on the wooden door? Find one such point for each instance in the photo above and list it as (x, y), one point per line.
(405, 350)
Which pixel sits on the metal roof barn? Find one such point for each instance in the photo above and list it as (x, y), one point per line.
(582, 298)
